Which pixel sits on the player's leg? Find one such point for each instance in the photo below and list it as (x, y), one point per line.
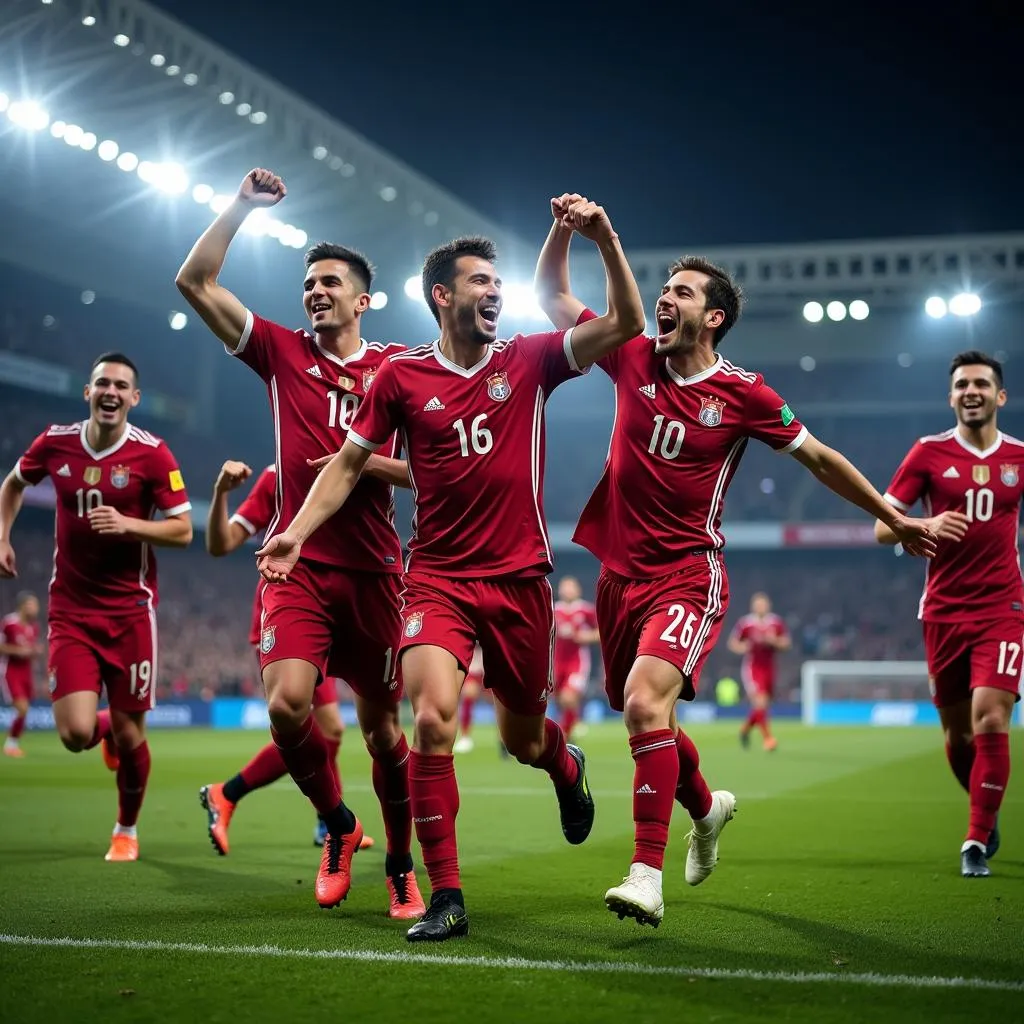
(467, 704)
(763, 702)
(134, 761)
(569, 697)
(19, 695)
(958, 732)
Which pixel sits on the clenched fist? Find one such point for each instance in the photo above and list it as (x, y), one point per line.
(232, 474)
(261, 187)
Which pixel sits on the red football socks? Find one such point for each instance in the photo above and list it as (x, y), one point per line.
(266, 767)
(333, 746)
(132, 775)
(692, 792)
(655, 779)
(555, 759)
(570, 716)
(101, 731)
(17, 727)
(434, 798)
(466, 714)
(391, 784)
(989, 776)
(305, 754)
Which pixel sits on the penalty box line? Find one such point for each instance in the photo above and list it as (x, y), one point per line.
(871, 979)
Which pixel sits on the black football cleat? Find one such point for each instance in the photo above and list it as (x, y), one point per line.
(973, 863)
(445, 919)
(575, 804)
(992, 846)
(745, 739)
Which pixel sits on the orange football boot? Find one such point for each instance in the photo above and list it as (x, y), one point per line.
(218, 812)
(123, 847)
(770, 743)
(15, 751)
(406, 902)
(334, 878)
(111, 758)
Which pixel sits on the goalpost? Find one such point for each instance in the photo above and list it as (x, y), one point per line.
(866, 693)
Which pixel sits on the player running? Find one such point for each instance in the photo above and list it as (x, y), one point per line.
(968, 479)
(472, 688)
(471, 412)
(758, 638)
(19, 648)
(224, 535)
(575, 631)
(341, 616)
(110, 478)
(683, 418)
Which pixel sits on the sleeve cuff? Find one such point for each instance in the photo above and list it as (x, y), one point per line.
(570, 356)
(178, 509)
(795, 443)
(244, 339)
(21, 476)
(895, 502)
(358, 439)
(244, 524)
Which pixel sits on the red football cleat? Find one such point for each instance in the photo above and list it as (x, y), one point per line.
(111, 758)
(123, 848)
(218, 812)
(334, 878)
(406, 902)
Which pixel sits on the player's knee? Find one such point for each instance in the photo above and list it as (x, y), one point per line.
(287, 711)
(644, 710)
(525, 751)
(383, 736)
(74, 736)
(434, 730)
(991, 719)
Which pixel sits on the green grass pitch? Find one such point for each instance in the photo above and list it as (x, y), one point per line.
(837, 896)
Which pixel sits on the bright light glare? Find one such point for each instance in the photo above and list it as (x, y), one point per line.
(813, 312)
(172, 70)
(256, 222)
(57, 129)
(388, 193)
(243, 109)
(964, 304)
(88, 297)
(378, 300)
(5, 101)
(413, 288)
(121, 39)
(177, 321)
(519, 300)
(158, 60)
(219, 203)
(28, 114)
(107, 150)
(319, 152)
(258, 117)
(807, 363)
(859, 309)
(191, 78)
(171, 178)
(128, 162)
(73, 134)
(935, 307)
(299, 238)
(836, 310)
(202, 194)
(88, 21)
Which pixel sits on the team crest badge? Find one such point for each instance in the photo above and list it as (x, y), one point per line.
(1009, 475)
(710, 412)
(979, 474)
(53, 682)
(346, 382)
(414, 624)
(498, 386)
(119, 476)
(368, 376)
(92, 475)
(268, 639)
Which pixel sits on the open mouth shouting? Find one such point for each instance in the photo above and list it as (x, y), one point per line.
(319, 309)
(667, 324)
(489, 313)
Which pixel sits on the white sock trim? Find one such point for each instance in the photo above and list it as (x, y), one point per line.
(126, 830)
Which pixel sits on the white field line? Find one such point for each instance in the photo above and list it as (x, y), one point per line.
(872, 979)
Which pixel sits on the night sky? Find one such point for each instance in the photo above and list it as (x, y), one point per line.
(692, 123)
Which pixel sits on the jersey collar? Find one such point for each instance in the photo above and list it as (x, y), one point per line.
(977, 452)
(358, 354)
(697, 377)
(462, 371)
(119, 443)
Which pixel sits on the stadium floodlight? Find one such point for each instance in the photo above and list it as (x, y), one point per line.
(220, 202)
(158, 60)
(227, 97)
(171, 178)
(243, 109)
(127, 162)
(29, 115)
(257, 221)
(905, 359)
(814, 312)
(836, 310)
(46, 2)
(107, 150)
(88, 142)
(319, 152)
(88, 21)
(335, 163)
(378, 300)
(178, 321)
(389, 193)
(58, 128)
(171, 70)
(191, 78)
(935, 307)
(258, 117)
(347, 170)
(965, 304)
(413, 288)
(73, 134)
(202, 194)
(519, 300)
(88, 297)
(121, 39)
(807, 363)
(859, 309)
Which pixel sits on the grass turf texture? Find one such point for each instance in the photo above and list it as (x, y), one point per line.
(842, 861)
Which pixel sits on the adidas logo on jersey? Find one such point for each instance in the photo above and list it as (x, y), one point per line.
(434, 405)
(64, 470)
(951, 474)
(647, 389)
(314, 371)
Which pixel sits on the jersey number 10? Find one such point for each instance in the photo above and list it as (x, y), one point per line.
(980, 503)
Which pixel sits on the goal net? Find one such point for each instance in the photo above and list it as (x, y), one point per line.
(866, 693)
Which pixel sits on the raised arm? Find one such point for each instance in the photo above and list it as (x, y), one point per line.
(12, 491)
(222, 535)
(624, 319)
(551, 279)
(220, 310)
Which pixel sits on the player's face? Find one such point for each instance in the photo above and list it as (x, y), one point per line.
(760, 605)
(30, 608)
(474, 300)
(568, 589)
(681, 313)
(975, 395)
(332, 298)
(111, 393)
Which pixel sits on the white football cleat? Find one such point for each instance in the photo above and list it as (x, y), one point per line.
(463, 745)
(702, 854)
(639, 896)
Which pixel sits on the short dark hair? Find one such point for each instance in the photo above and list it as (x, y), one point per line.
(357, 262)
(974, 357)
(439, 266)
(721, 291)
(22, 596)
(115, 357)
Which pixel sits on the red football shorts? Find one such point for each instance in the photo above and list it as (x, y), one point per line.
(758, 680)
(676, 618)
(512, 619)
(573, 673)
(18, 681)
(88, 654)
(346, 623)
(965, 655)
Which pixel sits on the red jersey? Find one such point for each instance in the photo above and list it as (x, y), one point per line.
(254, 515)
(571, 619)
(23, 634)
(675, 447)
(474, 440)
(138, 476)
(759, 661)
(314, 397)
(979, 577)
